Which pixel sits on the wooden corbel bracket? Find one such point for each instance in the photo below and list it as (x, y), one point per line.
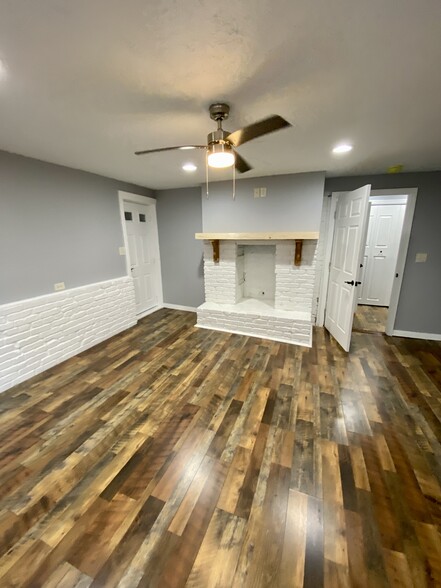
(298, 252)
(216, 254)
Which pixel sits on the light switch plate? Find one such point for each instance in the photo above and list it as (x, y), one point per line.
(256, 192)
(122, 250)
(262, 192)
(59, 286)
(420, 257)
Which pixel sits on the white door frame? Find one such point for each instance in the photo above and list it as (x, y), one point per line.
(411, 194)
(151, 202)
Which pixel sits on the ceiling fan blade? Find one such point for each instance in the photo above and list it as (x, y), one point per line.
(183, 147)
(262, 127)
(240, 164)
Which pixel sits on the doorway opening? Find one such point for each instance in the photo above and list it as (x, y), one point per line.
(379, 261)
(345, 241)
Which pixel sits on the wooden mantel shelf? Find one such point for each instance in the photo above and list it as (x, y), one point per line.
(257, 236)
(298, 237)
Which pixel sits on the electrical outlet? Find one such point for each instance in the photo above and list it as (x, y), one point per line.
(122, 250)
(263, 192)
(420, 257)
(59, 286)
(256, 192)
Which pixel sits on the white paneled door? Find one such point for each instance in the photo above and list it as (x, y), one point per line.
(348, 246)
(143, 263)
(381, 253)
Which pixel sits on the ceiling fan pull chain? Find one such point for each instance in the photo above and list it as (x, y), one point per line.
(234, 182)
(206, 171)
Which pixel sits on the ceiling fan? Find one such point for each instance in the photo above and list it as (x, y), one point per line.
(221, 144)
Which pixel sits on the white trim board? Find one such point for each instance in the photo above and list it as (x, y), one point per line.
(398, 199)
(320, 320)
(402, 254)
(415, 335)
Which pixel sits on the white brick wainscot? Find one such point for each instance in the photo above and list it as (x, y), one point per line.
(38, 333)
(260, 284)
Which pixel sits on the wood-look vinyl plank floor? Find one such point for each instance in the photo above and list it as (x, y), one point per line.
(172, 456)
(370, 319)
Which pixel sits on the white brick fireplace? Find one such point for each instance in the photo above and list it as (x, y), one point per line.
(254, 288)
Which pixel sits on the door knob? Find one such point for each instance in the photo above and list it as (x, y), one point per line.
(351, 283)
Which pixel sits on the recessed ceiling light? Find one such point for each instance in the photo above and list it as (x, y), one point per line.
(189, 167)
(187, 147)
(342, 148)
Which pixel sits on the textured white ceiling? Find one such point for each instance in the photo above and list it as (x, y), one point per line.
(89, 82)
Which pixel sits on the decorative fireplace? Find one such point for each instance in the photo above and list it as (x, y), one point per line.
(256, 267)
(259, 284)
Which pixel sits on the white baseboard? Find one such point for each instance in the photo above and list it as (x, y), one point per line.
(179, 307)
(415, 335)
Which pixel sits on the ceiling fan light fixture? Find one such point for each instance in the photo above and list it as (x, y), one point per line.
(220, 155)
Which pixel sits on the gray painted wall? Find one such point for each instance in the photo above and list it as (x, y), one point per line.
(179, 218)
(56, 225)
(419, 307)
(293, 203)
(59, 224)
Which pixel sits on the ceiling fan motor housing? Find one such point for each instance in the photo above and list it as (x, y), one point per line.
(219, 111)
(218, 136)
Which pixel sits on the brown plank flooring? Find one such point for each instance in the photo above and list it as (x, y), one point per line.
(171, 456)
(370, 319)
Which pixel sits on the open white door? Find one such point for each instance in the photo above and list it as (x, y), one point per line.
(139, 228)
(141, 248)
(351, 219)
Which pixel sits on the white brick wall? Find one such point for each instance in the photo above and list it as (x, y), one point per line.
(38, 333)
(295, 284)
(220, 278)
